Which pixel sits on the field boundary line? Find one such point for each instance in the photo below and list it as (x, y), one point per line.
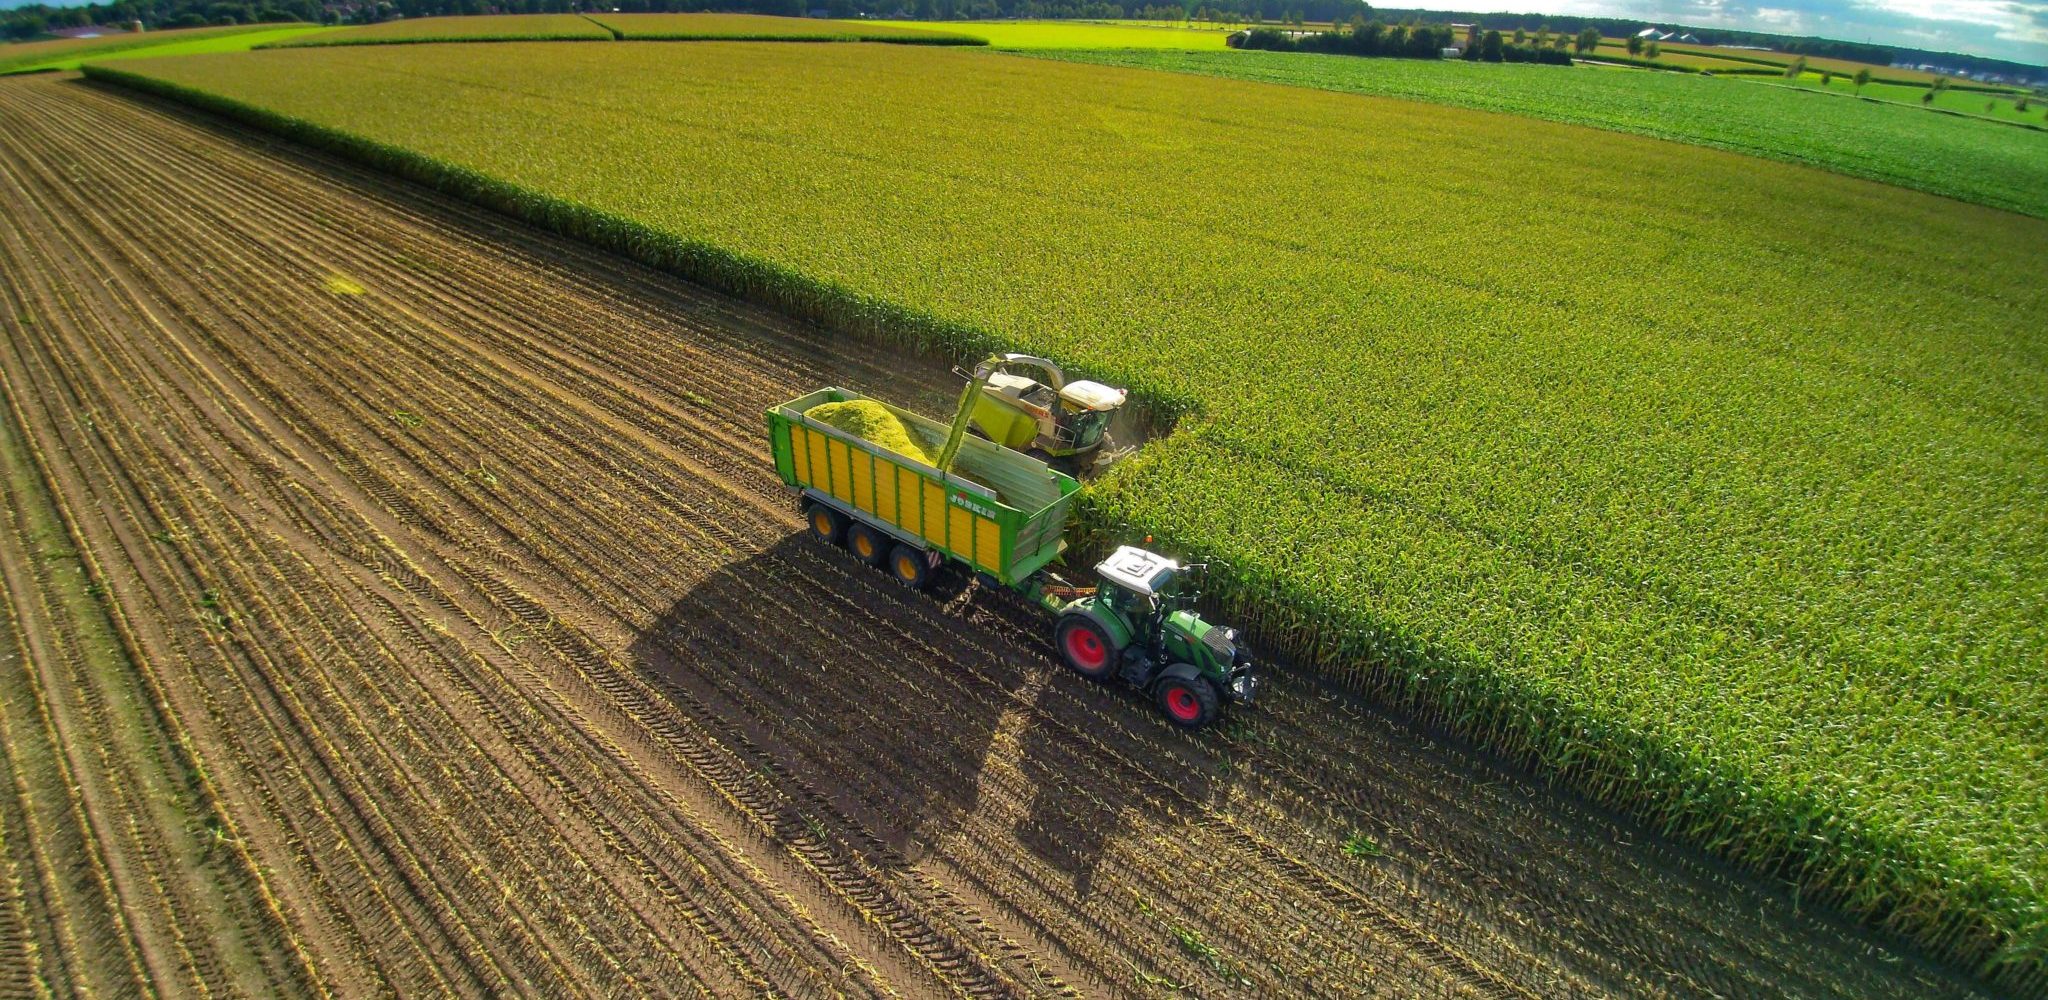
(617, 35)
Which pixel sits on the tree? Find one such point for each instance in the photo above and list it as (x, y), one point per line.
(1635, 45)
(1588, 40)
(1862, 77)
(1520, 37)
(1827, 77)
(1654, 50)
(1796, 68)
(1489, 47)
(2019, 104)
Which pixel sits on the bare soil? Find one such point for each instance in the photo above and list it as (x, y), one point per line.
(451, 554)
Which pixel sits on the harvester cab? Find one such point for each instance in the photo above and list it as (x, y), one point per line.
(1140, 625)
(1061, 423)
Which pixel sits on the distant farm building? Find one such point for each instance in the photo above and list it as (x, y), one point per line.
(1654, 35)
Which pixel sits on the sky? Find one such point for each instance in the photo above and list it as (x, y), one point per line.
(2000, 29)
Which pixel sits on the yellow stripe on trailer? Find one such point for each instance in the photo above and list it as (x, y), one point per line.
(988, 544)
(821, 469)
(885, 492)
(840, 455)
(863, 481)
(960, 532)
(800, 452)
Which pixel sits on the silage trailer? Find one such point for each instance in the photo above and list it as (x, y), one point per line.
(1001, 515)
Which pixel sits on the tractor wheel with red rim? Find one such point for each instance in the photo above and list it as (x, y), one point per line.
(867, 544)
(827, 524)
(1084, 647)
(1189, 703)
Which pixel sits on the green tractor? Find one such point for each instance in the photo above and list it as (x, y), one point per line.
(1139, 626)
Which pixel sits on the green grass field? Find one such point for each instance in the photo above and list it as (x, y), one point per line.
(2001, 107)
(653, 27)
(1611, 49)
(1710, 481)
(32, 57)
(1080, 34)
(241, 42)
(1982, 162)
(480, 28)
(1758, 59)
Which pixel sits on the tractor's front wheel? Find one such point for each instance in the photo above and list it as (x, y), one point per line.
(1189, 703)
(1084, 647)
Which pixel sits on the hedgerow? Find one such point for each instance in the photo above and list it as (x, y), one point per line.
(1575, 441)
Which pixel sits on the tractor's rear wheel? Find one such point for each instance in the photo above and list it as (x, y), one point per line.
(1084, 647)
(867, 544)
(827, 524)
(1189, 703)
(910, 567)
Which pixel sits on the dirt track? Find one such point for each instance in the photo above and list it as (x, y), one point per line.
(452, 553)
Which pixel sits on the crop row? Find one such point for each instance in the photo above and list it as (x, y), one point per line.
(1635, 483)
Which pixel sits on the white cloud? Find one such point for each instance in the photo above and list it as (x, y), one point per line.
(2001, 29)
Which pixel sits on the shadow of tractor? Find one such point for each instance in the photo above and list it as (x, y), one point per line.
(932, 722)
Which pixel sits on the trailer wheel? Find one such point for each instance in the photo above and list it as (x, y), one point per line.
(909, 567)
(1189, 703)
(867, 544)
(827, 524)
(1084, 648)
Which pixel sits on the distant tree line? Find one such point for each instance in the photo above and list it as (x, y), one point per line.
(38, 19)
(1617, 27)
(1360, 38)
(1541, 46)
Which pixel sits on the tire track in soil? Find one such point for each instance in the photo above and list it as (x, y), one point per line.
(506, 512)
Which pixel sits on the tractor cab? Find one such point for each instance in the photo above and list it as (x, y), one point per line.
(1140, 625)
(1027, 404)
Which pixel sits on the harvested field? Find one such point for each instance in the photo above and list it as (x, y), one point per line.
(453, 555)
